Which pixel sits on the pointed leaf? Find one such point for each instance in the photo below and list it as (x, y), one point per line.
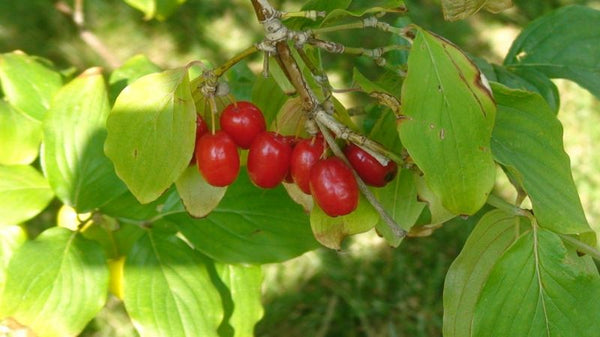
(56, 283)
(461, 9)
(539, 288)
(449, 120)
(23, 194)
(151, 137)
(20, 136)
(28, 83)
(74, 134)
(528, 140)
(11, 238)
(467, 275)
(167, 289)
(541, 46)
(134, 68)
(330, 232)
(244, 284)
(198, 196)
(399, 199)
(250, 225)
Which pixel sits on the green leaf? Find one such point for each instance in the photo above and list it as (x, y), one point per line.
(56, 283)
(539, 288)
(198, 196)
(151, 137)
(555, 46)
(467, 275)
(20, 136)
(134, 68)
(23, 194)
(530, 80)
(244, 285)
(28, 83)
(317, 5)
(268, 96)
(461, 9)
(159, 9)
(438, 213)
(11, 238)
(361, 8)
(399, 199)
(250, 225)
(167, 289)
(330, 232)
(448, 125)
(527, 139)
(127, 207)
(74, 134)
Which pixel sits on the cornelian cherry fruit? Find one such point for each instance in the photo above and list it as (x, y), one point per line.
(333, 187)
(269, 159)
(217, 158)
(305, 154)
(292, 140)
(243, 121)
(368, 168)
(201, 129)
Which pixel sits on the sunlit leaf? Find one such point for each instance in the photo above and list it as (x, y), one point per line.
(151, 132)
(198, 196)
(74, 132)
(11, 238)
(28, 83)
(330, 232)
(461, 9)
(20, 136)
(159, 9)
(555, 46)
(134, 68)
(167, 289)
(528, 140)
(56, 283)
(449, 116)
(23, 193)
(539, 288)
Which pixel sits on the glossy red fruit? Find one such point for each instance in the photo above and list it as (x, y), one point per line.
(305, 154)
(292, 140)
(217, 158)
(368, 168)
(243, 121)
(333, 187)
(269, 159)
(201, 129)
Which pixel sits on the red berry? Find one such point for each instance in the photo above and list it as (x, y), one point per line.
(268, 159)
(334, 187)
(243, 121)
(217, 158)
(292, 140)
(201, 129)
(306, 154)
(368, 168)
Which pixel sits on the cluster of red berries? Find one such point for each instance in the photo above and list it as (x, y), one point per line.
(273, 158)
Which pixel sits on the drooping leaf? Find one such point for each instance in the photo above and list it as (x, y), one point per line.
(20, 136)
(539, 288)
(527, 139)
(151, 136)
(74, 132)
(56, 283)
(28, 83)
(461, 9)
(198, 196)
(268, 96)
(555, 46)
(449, 119)
(23, 193)
(291, 119)
(167, 289)
(438, 213)
(399, 199)
(250, 225)
(134, 68)
(467, 275)
(330, 232)
(11, 238)
(159, 9)
(244, 285)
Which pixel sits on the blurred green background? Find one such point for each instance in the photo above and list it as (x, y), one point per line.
(367, 289)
